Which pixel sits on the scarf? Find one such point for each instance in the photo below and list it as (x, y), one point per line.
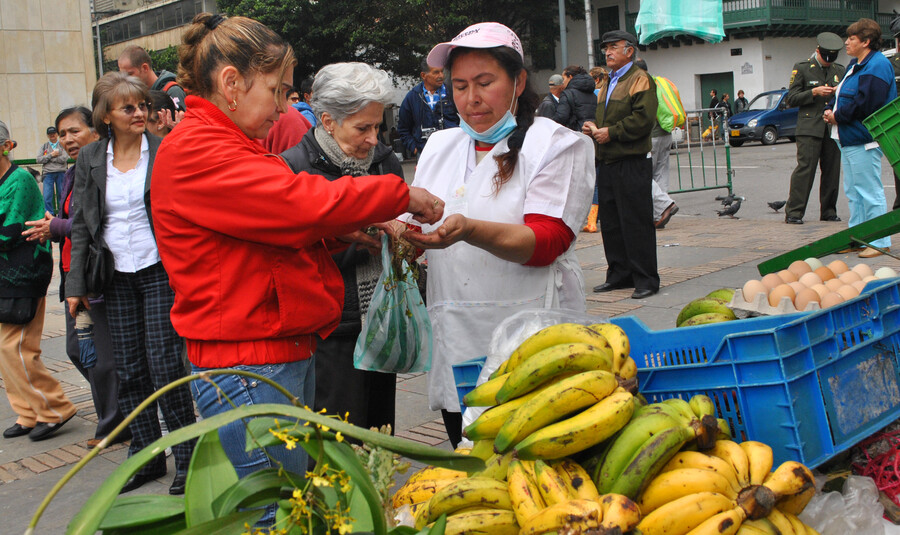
(348, 164)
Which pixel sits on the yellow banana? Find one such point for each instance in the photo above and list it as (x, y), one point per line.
(485, 394)
(732, 453)
(618, 340)
(553, 403)
(760, 527)
(619, 512)
(674, 484)
(576, 479)
(781, 523)
(497, 466)
(523, 493)
(500, 369)
(435, 472)
(683, 407)
(724, 429)
(489, 423)
(552, 488)
(790, 478)
(760, 457)
(419, 491)
(629, 369)
(796, 503)
(553, 362)
(562, 333)
(578, 433)
(684, 514)
(482, 521)
(483, 449)
(799, 527)
(528, 466)
(724, 523)
(464, 493)
(578, 514)
(696, 459)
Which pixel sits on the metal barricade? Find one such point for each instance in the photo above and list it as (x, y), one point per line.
(699, 149)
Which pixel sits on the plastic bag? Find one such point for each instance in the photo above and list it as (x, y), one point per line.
(667, 18)
(396, 337)
(856, 511)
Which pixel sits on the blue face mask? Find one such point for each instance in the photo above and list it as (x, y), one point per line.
(498, 131)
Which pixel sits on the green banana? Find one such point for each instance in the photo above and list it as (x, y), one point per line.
(705, 319)
(485, 394)
(554, 361)
(704, 305)
(702, 405)
(683, 407)
(497, 466)
(483, 449)
(649, 460)
(489, 423)
(724, 429)
(553, 403)
(725, 294)
(628, 443)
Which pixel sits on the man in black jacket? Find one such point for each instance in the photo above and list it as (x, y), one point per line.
(578, 102)
(427, 107)
(547, 107)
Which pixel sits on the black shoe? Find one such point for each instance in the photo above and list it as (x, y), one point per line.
(641, 293)
(44, 430)
(16, 430)
(830, 218)
(178, 484)
(666, 216)
(609, 286)
(793, 220)
(138, 480)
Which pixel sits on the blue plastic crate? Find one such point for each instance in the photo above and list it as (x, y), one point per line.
(465, 374)
(808, 384)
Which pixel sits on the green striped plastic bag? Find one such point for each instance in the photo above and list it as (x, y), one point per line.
(396, 336)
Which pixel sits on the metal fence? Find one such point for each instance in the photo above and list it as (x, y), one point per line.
(702, 154)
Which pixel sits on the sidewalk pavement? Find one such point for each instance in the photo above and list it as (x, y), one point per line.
(696, 255)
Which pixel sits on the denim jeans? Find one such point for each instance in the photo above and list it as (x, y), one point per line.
(52, 186)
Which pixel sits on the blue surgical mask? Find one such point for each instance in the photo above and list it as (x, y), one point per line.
(498, 131)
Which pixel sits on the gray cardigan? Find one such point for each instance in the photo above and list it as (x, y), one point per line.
(89, 205)
(53, 164)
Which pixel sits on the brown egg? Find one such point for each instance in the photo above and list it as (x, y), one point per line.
(824, 273)
(752, 288)
(820, 289)
(859, 285)
(805, 297)
(780, 292)
(870, 278)
(848, 292)
(772, 280)
(833, 284)
(849, 276)
(831, 299)
(796, 286)
(838, 267)
(810, 279)
(799, 267)
(863, 270)
(787, 276)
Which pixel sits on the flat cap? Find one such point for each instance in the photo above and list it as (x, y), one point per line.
(618, 35)
(830, 41)
(555, 80)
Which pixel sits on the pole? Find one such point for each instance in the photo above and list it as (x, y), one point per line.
(96, 21)
(563, 46)
(589, 32)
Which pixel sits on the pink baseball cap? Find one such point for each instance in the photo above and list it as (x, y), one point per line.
(481, 35)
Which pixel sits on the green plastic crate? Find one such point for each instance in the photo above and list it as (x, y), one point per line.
(884, 125)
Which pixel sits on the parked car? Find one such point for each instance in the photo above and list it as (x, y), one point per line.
(766, 119)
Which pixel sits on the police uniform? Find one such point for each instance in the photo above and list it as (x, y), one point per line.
(814, 142)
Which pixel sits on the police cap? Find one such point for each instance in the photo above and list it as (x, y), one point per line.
(830, 41)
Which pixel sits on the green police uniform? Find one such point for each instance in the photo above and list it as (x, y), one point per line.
(814, 143)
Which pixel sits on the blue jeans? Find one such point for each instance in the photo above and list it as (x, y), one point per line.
(863, 187)
(52, 184)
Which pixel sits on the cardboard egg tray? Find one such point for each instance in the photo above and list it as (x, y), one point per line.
(760, 306)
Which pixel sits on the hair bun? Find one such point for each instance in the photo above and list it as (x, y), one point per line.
(214, 21)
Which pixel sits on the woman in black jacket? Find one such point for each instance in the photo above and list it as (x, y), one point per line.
(577, 103)
(348, 100)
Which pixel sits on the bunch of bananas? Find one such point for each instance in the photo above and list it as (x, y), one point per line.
(710, 309)
(423, 485)
(728, 490)
(559, 393)
(654, 435)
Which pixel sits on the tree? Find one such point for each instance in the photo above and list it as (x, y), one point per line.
(395, 34)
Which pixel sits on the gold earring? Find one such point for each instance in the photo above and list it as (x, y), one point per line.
(233, 105)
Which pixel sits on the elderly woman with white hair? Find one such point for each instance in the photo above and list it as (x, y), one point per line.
(349, 100)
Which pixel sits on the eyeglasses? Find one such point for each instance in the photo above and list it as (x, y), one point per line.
(294, 99)
(131, 109)
(613, 47)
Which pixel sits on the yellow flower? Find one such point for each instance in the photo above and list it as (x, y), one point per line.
(339, 437)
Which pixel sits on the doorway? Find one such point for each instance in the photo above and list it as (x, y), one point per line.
(722, 82)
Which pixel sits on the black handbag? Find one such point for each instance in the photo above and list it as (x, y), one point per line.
(18, 310)
(98, 269)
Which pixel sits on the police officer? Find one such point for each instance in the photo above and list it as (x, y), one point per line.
(812, 85)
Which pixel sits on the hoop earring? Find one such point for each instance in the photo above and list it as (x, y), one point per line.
(233, 105)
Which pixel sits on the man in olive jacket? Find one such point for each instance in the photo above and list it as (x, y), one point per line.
(626, 113)
(812, 85)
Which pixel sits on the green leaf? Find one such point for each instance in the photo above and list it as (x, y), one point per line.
(136, 511)
(361, 512)
(227, 525)
(209, 474)
(343, 456)
(259, 488)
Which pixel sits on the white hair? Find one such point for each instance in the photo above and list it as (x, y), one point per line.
(4, 132)
(342, 89)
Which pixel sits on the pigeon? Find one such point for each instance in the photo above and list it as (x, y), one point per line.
(777, 205)
(726, 199)
(731, 209)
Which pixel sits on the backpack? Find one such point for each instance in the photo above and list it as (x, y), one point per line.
(670, 112)
(170, 85)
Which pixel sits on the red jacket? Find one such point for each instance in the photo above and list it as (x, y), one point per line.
(241, 238)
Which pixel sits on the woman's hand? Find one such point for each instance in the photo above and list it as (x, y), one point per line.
(371, 243)
(588, 128)
(455, 228)
(40, 229)
(828, 116)
(75, 301)
(425, 207)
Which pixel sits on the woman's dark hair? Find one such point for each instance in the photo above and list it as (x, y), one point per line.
(865, 29)
(83, 113)
(162, 101)
(572, 70)
(511, 62)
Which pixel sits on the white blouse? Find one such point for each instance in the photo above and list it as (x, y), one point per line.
(126, 226)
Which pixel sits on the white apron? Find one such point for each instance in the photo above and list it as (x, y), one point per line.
(470, 291)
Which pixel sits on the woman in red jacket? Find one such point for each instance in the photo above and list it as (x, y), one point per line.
(247, 243)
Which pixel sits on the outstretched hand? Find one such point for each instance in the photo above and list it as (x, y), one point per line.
(455, 228)
(40, 229)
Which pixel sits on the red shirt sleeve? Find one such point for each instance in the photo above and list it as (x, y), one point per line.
(552, 238)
